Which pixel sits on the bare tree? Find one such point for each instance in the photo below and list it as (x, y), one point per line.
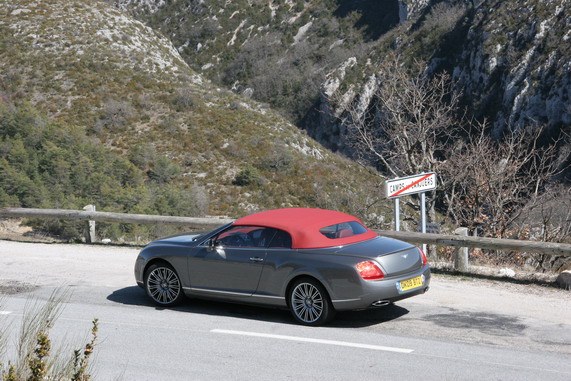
(549, 215)
(407, 122)
(404, 122)
(115, 115)
(490, 181)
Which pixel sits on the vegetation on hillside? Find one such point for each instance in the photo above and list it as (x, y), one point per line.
(277, 52)
(506, 57)
(103, 110)
(282, 52)
(45, 164)
(87, 120)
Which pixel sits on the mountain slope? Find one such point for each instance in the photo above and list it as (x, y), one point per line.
(511, 59)
(86, 64)
(274, 51)
(516, 61)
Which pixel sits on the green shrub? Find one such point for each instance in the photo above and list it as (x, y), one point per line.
(143, 155)
(248, 176)
(165, 170)
(183, 99)
(280, 159)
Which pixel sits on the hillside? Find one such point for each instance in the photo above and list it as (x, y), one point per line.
(243, 44)
(510, 59)
(112, 85)
(323, 63)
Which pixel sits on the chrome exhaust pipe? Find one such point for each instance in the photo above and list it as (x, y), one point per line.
(380, 303)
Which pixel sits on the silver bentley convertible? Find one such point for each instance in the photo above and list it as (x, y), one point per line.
(312, 261)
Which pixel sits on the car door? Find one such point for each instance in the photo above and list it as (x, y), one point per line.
(231, 262)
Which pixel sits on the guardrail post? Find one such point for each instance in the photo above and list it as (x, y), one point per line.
(461, 253)
(90, 233)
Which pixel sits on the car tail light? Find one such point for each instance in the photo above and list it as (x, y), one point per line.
(369, 271)
(424, 259)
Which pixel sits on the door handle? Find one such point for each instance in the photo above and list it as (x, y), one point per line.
(256, 259)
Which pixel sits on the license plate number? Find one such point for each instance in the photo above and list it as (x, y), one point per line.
(409, 284)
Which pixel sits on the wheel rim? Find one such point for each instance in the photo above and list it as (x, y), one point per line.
(307, 302)
(163, 285)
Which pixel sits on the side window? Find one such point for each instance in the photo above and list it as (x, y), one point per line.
(245, 236)
(343, 230)
(281, 240)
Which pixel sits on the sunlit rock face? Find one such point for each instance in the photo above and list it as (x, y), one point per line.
(511, 60)
(515, 63)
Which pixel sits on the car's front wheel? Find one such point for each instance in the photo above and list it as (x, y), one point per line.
(163, 285)
(309, 303)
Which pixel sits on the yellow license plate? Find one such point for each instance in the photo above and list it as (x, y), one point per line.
(409, 284)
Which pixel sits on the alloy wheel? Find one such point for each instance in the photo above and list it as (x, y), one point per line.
(163, 285)
(307, 302)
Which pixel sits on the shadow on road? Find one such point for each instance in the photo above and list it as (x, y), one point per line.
(365, 318)
(135, 295)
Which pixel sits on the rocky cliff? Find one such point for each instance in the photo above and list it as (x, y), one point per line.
(511, 60)
(515, 63)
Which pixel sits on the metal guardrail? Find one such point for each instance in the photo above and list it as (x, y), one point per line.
(549, 248)
(67, 214)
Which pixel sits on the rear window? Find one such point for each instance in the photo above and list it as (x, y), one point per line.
(343, 230)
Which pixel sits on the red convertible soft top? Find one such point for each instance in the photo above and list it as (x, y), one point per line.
(304, 224)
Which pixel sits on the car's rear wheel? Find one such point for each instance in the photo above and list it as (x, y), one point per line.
(163, 285)
(309, 303)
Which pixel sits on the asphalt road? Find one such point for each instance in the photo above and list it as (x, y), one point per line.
(462, 329)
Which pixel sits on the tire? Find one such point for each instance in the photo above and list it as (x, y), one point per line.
(162, 285)
(309, 302)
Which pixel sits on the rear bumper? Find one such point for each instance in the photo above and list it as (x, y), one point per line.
(384, 290)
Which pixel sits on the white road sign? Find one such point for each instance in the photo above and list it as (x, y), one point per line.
(410, 185)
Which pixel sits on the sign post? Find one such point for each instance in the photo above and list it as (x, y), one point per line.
(423, 217)
(397, 214)
(404, 186)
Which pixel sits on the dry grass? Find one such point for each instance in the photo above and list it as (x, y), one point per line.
(35, 359)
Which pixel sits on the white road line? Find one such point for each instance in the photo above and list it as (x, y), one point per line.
(5, 312)
(317, 341)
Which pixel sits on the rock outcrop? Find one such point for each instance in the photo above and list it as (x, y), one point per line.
(511, 60)
(564, 280)
(516, 63)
